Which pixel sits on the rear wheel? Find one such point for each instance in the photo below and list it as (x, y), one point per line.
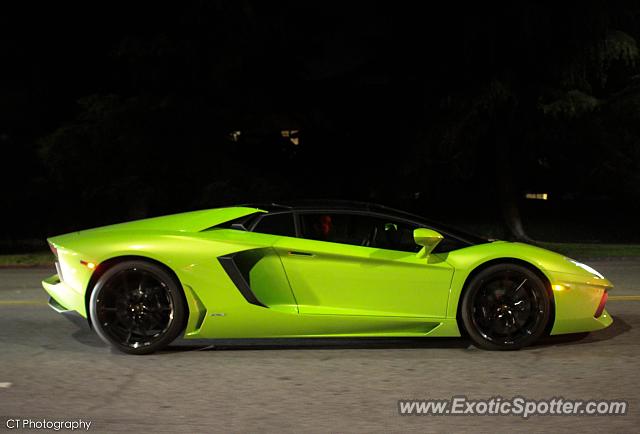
(505, 307)
(137, 307)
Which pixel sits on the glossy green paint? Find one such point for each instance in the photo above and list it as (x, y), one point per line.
(314, 288)
(193, 221)
(574, 305)
(270, 283)
(353, 280)
(64, 294)
(428, 239)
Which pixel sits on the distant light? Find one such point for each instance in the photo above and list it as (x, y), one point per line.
(559, 287)
(292, 135)
(538, 196)
(235, 135)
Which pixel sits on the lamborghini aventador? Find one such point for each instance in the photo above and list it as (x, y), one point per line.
(325, 269)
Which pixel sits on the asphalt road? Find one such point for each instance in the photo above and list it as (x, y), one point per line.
(50, 368)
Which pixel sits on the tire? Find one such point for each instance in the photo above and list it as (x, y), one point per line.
(505, 307)
(137, 307)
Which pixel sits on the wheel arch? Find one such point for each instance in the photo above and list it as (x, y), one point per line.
(507, 260)
(109, 263)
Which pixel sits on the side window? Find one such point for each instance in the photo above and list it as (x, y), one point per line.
(335, 228)
(394, 235)
(276, 224)
(359, 230)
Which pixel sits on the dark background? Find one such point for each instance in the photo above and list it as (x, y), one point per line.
(119, 110)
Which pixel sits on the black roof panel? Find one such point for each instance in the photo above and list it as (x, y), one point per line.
(347, 205)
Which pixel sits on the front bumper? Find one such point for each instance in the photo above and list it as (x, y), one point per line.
(576, 304)
(63, 297)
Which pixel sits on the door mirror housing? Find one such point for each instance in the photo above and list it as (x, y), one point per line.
(428, 239)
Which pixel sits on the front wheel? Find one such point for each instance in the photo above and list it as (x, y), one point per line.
(505, 307)
(137, 307)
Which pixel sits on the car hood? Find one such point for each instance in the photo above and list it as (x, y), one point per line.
(546, 260)
(556, 262)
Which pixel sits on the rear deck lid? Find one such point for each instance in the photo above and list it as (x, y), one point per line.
(193, 221)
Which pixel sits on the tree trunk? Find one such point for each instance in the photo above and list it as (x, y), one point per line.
(508, 193)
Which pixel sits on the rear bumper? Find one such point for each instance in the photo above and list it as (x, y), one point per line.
(53, 304)
(63, 297)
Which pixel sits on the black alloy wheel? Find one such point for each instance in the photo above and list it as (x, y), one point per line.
(505, 307)
(137, 307)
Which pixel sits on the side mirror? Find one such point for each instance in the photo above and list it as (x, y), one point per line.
(428, 239)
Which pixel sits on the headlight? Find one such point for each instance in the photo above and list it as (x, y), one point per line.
(586, 268)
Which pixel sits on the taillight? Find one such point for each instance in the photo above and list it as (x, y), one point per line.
(600, 308)
(53, 250)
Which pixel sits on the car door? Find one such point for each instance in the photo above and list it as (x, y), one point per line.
(357, 264)
(255, 267)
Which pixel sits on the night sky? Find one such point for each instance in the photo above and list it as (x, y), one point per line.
(112, 111)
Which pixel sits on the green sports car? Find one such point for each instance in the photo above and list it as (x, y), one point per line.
(327, 269)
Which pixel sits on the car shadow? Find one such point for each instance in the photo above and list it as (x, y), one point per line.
(619, 327)
(86, 336)
(315, 344)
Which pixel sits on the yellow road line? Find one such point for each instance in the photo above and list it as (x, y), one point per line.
(22, 302)
(624, 297)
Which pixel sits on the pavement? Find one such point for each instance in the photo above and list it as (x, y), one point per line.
(53, 369)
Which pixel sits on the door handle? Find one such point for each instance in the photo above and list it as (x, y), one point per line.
(297, 253)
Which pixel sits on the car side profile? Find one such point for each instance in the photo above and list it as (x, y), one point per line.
(319, 269)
